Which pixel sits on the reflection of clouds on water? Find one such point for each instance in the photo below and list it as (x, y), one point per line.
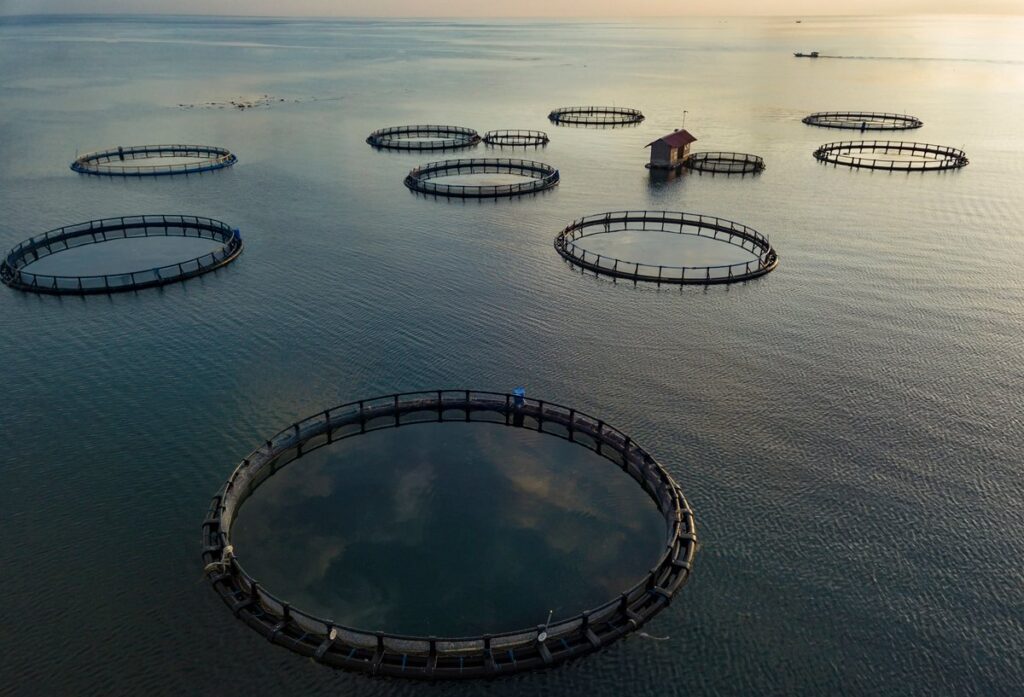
(317, 480)
(411, 490)
(570, 485)
(448, 528)
(578, 514)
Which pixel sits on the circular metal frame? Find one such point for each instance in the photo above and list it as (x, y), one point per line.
(98, 162)
(863, 120)
(502, 653)
(440, 137)
(12, 271)
(724, 163)
(516, 138)
(595, 116)
(541, 176)
(851, 154)
(672, 222)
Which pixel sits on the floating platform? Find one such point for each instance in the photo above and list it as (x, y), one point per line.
(445, 658)
(724, 163)
(867, 154)
(516, 138)
(423, 137)
(595, 116)
(540, 176)
(112, 161)
(710, 227)
(13, 273)
(863, 120)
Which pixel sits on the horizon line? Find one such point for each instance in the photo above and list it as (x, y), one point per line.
(517, 17)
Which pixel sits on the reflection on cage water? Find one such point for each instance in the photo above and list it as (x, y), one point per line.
(382, 653)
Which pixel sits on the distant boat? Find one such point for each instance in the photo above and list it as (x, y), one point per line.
(812, 54)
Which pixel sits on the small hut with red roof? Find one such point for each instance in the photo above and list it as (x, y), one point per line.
(668, 152)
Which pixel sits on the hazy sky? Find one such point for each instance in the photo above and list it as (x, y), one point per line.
(512, 8)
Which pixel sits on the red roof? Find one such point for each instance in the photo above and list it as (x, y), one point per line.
(676, 139)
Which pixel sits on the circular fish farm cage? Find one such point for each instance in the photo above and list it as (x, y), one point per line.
(595, 116)
(423, 137)
(516, 138)
(120, 161)
(724, 163)
(13, 273)
(710, 227)
(490, 655)
(863, 120)
(892, 156)
(539, 176)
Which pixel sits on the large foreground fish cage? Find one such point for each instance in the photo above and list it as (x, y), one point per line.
(538, 177)
(423, 137)
(595, 116)
(892, 156)
(14, 274)
(764, 257)
(122, 160)
(724, 163)
(516, 138)
(489, 655)
(863, 120)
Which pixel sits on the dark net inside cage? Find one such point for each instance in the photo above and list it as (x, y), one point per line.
(432, 657)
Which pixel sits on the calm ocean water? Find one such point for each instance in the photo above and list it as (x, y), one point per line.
(848, 428)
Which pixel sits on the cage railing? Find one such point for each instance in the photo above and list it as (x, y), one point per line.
(540, 176)
(515, 137)
(54, 241)
(439, 137)
(724, 162)
(857, 153)
(98, 162)
(863, 120)
(446, 657)
(596, 115)
(764, 259)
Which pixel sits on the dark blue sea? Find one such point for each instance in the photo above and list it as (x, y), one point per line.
(847, 428)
